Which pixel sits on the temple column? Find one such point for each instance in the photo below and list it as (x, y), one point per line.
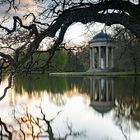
(91, 58)
(112, 90)
(91, 89)
(106, 57)
(93, 61)
(100, 92)
(99, 50)
(107, 90)
(112, 57)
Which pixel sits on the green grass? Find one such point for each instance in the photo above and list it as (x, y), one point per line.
(95, 74)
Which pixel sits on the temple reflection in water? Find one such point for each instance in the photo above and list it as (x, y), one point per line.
(102, 94)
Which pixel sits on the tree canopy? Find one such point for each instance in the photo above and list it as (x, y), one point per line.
(21, 40)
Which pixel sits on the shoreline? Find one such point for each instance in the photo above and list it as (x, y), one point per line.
(108, 74)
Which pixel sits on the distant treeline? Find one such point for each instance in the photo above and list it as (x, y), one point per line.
(125, 59)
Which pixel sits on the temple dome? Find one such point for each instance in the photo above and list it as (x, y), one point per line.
(102, 107)
(101, 37)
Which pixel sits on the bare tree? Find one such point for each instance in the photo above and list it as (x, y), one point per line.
(21, 41)
(127, 53)
(33, 127)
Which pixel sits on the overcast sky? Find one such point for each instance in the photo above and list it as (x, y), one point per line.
(77, 34)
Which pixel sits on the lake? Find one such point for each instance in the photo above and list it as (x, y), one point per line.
(73, 108)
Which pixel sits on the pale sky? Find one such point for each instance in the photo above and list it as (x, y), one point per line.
(77, 34)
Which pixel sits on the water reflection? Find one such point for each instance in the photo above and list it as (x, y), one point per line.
(29, 127)
(83, 101)
(54, 85)
(102, 94)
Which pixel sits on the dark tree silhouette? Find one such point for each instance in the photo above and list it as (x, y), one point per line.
(20, 42)
(34, 128)
(59, 16)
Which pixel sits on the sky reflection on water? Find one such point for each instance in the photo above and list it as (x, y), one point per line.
(72, 98)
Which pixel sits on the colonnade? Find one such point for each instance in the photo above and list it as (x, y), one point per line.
(101, 57)
(102, 90)
(102, 94)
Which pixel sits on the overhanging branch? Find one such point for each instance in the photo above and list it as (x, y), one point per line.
(19, 21)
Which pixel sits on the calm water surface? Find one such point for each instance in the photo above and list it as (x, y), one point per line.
(82, 108)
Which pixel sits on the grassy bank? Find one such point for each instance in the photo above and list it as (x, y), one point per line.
(95, 74)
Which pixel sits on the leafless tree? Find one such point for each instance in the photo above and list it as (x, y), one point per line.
(33, 127)
(21, 41)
